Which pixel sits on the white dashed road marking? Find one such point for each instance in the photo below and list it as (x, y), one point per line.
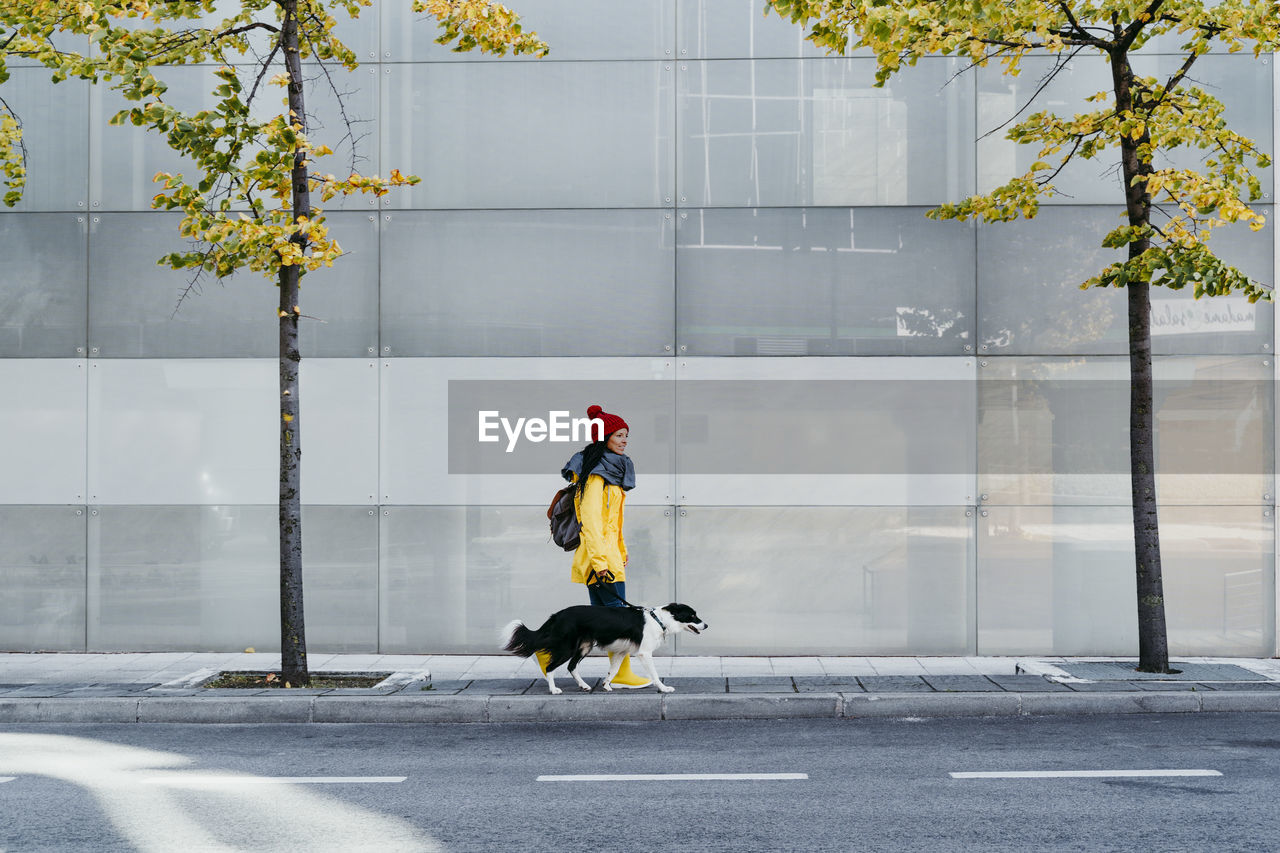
(674, 777)
(182, 780)
(7, 778)
(1080, 774)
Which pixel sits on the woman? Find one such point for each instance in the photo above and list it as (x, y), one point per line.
(601, 559)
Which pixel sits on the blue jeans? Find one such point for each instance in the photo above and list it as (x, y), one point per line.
(603, 598)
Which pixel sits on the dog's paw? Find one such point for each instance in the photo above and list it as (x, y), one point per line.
(607, 686)
(585, 688)
(666, 688)
(556, 691)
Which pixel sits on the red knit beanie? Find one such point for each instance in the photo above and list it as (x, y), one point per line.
(612, 423)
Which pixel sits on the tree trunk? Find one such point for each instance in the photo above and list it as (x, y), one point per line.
(293, 639)
(1153, 644)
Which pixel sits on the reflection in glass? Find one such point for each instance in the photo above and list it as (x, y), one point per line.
(587, 134)
(781, 132)
(1241, 82)
(1056, 430)
(1030, 302)
(1060, 580)
(828, 580)
(55, 132)
(861, 281)
(553, 282)
(42, 573)
(207, 578)
(453, 576)
(42, 289)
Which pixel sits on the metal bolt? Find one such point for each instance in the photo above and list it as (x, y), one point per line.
(95, 512)
(684, 216)
(683, 513)
(668, 51)
(667, 514)
(667, 217)
(683, 51)
(968, 347)
(684, 68)
(1266, 497)
(370, 512)
(667, 348)
(371, 350)
(668, 67)
(968, 513)
(94, 351)
(984, 497)
(79, 511)
(984, 347)
(983, 363)
(983, 513)
(684, 348)
(667, 199)
(386, 349)
(385, 512)
(1267, 513)
(80, 350)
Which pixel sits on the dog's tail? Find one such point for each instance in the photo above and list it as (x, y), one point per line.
(518, 639)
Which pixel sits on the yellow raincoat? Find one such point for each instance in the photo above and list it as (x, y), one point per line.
(600, 548)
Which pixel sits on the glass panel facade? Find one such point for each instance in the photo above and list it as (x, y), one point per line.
(1030, 303)
(452, 576)
(796, 580)
(123, 159)
(553, 282)
(1239, 81)
(415, 463)
(42, 420)
(776, 132)
(858, 281)
(732, 29)
(575, 29)
(140, 309)
(55, 132)
(197, 578)
(42, 573)
(42, 288)
(595, 134)
(1056, 431)
(184, 431)
(1060, 580)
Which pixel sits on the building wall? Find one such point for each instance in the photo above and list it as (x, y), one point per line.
(713, 230)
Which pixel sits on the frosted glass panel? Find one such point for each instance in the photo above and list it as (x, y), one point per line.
(125, 158)
(452, 576)
(1056, 431)
(1241, 82)
(339, 430)
(132, 299)
(828, 580)
(183, 432)
(814, 282)
(592, 134)
(42, 573)
(739, 29)
(1029, 300)
(826, 431)
(208, 578)
(1061, 581)
(574, 29)
(55, 131)
(552, 282)
(415, 427)
(42, 289)
(42, 419)
(817, 132)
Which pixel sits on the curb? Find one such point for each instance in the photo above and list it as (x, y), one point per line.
(258, 709)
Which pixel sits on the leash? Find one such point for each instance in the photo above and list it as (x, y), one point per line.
(600, 585)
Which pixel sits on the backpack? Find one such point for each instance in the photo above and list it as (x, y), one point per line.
(564, 519)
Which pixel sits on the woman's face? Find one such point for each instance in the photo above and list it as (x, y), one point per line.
(617, 442)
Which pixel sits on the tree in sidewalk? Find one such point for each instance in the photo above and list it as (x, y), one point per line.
(1170, 209)
(248, 204)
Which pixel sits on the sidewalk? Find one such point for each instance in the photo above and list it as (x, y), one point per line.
(164, 687)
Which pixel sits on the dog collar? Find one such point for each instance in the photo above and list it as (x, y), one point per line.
(654, 614)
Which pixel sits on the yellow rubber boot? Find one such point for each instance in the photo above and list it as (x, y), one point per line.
(625, 677)
(544, 658)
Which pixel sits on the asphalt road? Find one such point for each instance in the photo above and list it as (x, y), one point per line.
(866, 785)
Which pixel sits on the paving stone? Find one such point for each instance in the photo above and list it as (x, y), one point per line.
(691, 684)
(443, 687)
(1158, 686)
(827, 684)
(1104, 686)
(1124, 671)
(511, 686)
(894, 684)
(41, 691)
(961, 683)
(676, 706)
(763, 684)
(1027, 684)
(1241, 685)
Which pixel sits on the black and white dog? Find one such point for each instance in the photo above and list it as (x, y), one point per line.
(571, 634)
